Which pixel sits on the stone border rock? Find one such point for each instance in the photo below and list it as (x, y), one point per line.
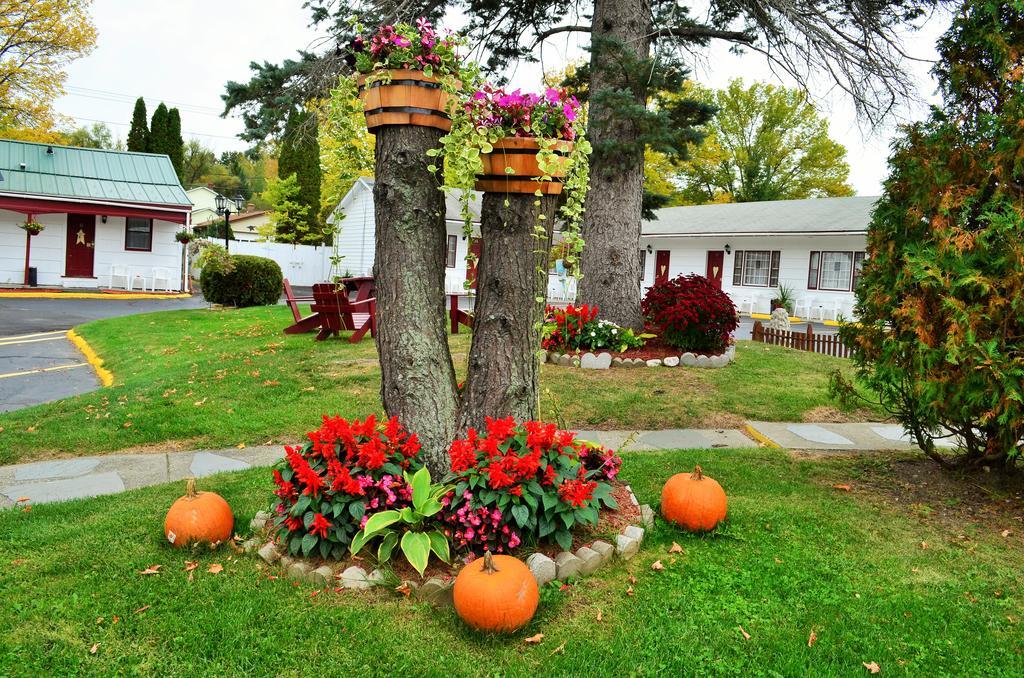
(605, 360)
(566, 565)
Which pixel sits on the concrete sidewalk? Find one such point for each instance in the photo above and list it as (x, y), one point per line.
(48, 481)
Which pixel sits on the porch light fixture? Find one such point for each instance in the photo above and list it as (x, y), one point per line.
(103, 218)
(728, 250)
(226, 210)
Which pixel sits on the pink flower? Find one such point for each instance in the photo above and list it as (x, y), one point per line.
(401, 41)
(552, 95)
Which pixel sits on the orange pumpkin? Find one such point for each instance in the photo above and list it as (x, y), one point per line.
(198, 517)
(496, 593)
(693, 501)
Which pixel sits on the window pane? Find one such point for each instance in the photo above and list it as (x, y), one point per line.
(737, 268)
(453, 243)
(836, 268)
(858, 264)
(812, 271)
(755, 268)
(138, 233)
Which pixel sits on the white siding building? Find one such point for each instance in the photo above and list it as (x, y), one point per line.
(814, 247)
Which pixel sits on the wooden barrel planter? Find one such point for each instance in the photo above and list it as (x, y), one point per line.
(409, 98)
(520, 155)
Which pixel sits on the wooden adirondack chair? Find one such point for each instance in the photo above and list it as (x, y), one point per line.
(336, 313)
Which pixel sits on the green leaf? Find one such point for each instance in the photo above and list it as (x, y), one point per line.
(564, 539)
(356, 510)
(308, 542)
(521, 514)
(439, 545)
(547, 526)
(416, 547)
(301, 505)
(308, 519)
(387, 545)
(420, 487)
(325, 548)
(406, 515)
(358, 542)
(430, 507)
(550, 501)
(378, 521)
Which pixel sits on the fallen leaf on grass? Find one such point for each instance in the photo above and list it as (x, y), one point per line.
(216, 568)
(559, 650)
(533, 640)
(841, 486)
(22, 500)
(127, 424)
(676, 548)
(599, 615)
(404, 589)
(657, 566)
(778, 561)
(746, 636)
(924, 544)
(26, 509)
(99, 620)
(812, 639)
(94, 649)
(632, 579)
(152, 569)
(271, 382)
(200, 403)
(1004, 533)
(19, 561)
(240, 446)
(316, 592)
(629, 591)
(115, 619)
(31, 429)
(872, 667)
(142, 609)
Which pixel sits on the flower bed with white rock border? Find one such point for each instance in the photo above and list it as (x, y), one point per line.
(437, 590)
(604, 360)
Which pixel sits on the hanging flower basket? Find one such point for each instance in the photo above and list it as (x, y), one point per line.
(32, 227)
(514, 167)
(183, 236)
(404, 97)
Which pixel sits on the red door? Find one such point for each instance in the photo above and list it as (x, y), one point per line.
(474, 248)
(661, 258)
(716, 262)
(81, 246)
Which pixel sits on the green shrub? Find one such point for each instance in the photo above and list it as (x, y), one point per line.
(248, 281)
(941, 297)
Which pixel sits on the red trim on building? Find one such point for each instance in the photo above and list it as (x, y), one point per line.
(32, 206)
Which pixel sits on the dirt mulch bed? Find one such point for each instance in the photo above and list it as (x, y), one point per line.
(993, 500)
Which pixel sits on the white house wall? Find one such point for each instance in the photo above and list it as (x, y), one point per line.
(689, 255)
(48, 251)
(302, 265)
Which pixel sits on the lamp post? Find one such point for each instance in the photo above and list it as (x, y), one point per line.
(224, 210)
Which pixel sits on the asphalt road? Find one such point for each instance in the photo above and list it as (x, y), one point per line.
(37, 362)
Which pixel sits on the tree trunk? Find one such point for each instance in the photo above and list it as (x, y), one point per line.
(611, 224)
(504, 361)
(417, 377)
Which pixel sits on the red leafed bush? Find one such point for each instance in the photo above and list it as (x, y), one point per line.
(691, 313)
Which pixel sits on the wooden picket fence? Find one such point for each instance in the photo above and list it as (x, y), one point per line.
(827, 344)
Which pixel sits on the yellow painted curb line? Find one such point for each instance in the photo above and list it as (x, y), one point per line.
(797, 319)
(761, 438)
(89, 295)
(106, 376)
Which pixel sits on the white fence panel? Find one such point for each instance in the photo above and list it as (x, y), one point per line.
(303, 265)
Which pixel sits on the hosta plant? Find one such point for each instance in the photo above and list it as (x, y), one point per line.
(329, 488)
(536, 480)
(410, 528)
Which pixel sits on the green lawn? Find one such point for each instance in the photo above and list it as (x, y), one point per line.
(191, 379)
(796, 556)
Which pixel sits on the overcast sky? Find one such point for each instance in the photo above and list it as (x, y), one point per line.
(183, 52)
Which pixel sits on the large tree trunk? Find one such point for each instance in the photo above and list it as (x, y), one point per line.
(611, 224)
(504, 361)
(417, 377)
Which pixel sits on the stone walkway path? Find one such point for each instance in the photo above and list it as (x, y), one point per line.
(47, 481)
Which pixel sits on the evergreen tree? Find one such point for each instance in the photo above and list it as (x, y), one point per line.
(300, 155)
(158, 141)
(138, 136)
(175, 144)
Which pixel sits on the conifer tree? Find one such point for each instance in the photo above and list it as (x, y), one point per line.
(158, 131)
(138, 135)
(300, 155)
(175, 144)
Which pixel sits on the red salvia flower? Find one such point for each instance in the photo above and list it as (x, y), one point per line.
(319, 526)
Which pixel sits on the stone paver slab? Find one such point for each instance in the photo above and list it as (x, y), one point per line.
(91, 485)
(818, 434)
(63, 468)
(208, 463)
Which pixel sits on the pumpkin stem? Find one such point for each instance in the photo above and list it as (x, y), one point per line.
(489, 567)
(190, 488)
(697, 474)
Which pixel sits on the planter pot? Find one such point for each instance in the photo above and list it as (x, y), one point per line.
(409, 98)
(518, 154)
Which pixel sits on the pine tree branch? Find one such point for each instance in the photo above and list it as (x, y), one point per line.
(544, 35)
(697, 32)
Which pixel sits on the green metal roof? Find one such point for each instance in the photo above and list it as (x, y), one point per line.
(88, 174)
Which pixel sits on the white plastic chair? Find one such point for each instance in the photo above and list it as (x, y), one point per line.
(120, 273)
(745, 303)
(135, 276)
(829, 310)
(802, 307)
(161, 276)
